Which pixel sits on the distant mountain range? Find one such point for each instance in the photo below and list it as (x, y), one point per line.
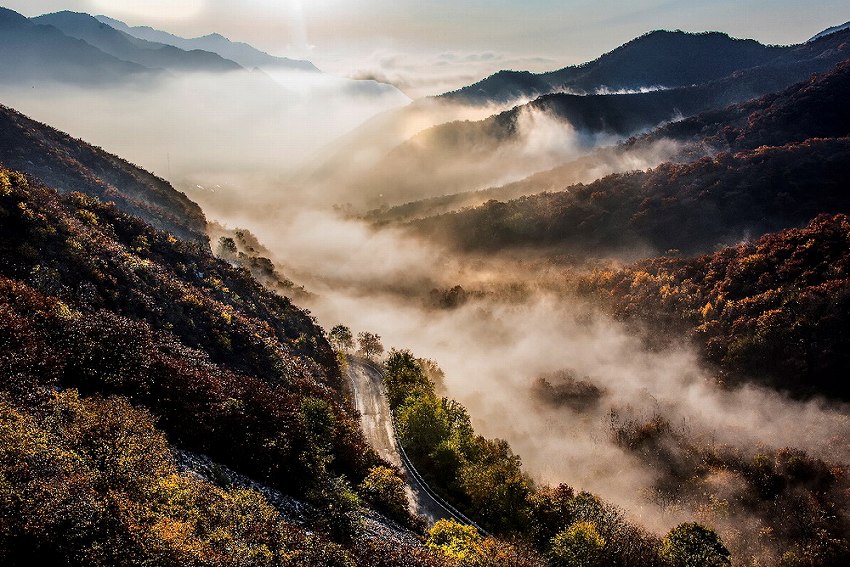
(657, 59)
(31, 53)
(435, 160)
(242, 53)
(129, 48)
(77, 48)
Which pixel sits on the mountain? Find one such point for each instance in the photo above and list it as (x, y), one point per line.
(242, 53)
(656, 59)
(33, 54)
(831, 30)
(690, 208)
(810, 109)
(465, 156)
(72, 165)
(749, 190)
(129, 48)
(498, 143)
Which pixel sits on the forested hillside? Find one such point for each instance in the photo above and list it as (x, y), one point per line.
(784, 160)
(775, 310)
(69, 164)
(686, 207)
(119, 340)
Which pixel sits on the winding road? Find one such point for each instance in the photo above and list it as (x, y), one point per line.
(376, 420)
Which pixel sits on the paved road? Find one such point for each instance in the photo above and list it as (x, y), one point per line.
(376, 420)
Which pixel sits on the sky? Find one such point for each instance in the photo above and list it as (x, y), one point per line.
(427, 45)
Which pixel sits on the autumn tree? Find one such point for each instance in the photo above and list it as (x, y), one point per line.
(454, 539)
(370, 344)
(341, 338)
(384, 489)
(694, 545)
(580, 545)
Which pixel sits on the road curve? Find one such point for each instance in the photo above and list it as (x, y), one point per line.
(376, 420)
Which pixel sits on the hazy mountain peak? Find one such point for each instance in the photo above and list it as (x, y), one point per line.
(242, 53)
(8, 16)
(70, 17)
(669, 58)
(126, 47)
(831, 30)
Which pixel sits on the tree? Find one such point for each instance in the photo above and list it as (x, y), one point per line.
(384, 489)
(341, 338)
(370, 344)
(422, 425)
(454, 539)
(580, 545)
(404, 377)
(227, 247)
(694, 545)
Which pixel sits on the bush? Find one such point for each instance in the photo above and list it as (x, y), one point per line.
(694, 545)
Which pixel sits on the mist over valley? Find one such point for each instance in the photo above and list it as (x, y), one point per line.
(608, 301)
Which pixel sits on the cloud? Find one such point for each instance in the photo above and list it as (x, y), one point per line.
(419, 74)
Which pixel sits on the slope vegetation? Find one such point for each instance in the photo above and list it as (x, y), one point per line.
(120, 343)
(70, 165)
(775, 309)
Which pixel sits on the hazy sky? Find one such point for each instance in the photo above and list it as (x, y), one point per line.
(426, 40)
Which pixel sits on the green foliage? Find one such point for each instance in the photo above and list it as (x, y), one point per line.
(403, 377)
(480, 476)
(497, 488)
(694, 545)
(578, 546)
(422, 424)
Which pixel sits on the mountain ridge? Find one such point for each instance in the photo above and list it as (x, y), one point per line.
(128, 48)
(33, 54)
(802, 132)
(657, 58)
(242, 53)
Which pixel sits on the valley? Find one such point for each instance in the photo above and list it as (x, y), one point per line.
(601, 310)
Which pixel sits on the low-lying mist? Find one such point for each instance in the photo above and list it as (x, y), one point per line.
(494, 350)
(465, 156)
(245, 147)
(197, 127)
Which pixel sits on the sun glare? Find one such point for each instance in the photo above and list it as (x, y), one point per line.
(153, 9)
